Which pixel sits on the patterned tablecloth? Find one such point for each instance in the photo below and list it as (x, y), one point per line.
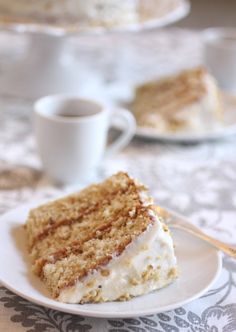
(196, 180)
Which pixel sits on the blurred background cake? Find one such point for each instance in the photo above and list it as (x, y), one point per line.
(96, 12)
(46, 10)
(186, 102)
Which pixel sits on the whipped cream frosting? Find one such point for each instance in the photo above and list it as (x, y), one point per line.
(204, 114)
(127, 275)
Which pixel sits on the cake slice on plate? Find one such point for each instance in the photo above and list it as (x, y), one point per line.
(187, 102)
(104, 243)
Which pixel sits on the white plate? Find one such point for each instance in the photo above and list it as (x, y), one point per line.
(172, 11)
(199, 263)
(225, 131)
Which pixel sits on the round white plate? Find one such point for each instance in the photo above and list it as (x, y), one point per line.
(199, 264)
(228, 129)
(156, 17)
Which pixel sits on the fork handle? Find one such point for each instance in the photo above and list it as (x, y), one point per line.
(230, 251)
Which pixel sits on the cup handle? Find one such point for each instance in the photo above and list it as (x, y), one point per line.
(124, 120)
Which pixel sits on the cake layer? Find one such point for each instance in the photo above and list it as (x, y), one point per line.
(45, 220)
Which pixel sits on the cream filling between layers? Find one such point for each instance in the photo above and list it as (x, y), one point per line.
(147, 264)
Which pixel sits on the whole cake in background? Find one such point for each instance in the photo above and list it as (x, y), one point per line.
(187, 102)
(107, 13)
(104, 10)
(104, 243)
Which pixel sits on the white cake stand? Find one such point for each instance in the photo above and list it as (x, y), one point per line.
(43, 71)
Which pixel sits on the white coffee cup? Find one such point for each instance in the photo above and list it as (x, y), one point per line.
(220, 55)
(71, 135)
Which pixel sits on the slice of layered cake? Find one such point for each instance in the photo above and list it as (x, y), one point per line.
(187, 102)
(104, 243)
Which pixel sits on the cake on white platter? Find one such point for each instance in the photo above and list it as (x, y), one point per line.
(99, 11)
(187, 102)
(86, 13)
(105, 243)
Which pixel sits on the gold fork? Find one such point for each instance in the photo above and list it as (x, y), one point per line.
(176, 221)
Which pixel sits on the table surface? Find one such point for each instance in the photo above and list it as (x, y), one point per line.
(198, 181)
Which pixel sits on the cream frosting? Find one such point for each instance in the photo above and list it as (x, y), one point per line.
(147, 264)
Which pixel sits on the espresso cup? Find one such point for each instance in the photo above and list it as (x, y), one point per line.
(71, 135)
(220, 55)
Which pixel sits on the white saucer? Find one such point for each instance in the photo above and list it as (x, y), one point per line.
(199, 263)
(228, 129)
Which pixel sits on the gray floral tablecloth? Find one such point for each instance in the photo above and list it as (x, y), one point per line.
(198, 180)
